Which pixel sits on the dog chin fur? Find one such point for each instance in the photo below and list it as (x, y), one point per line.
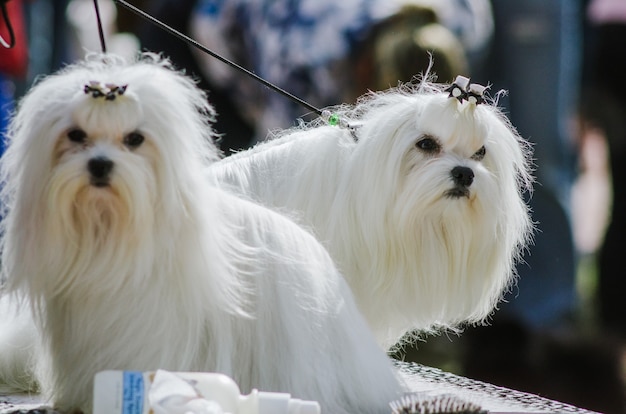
(416, 258)
(159, 268)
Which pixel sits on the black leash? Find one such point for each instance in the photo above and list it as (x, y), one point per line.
(194, 43)
(100, 30)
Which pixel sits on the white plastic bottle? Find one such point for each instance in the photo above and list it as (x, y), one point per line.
(163, 392)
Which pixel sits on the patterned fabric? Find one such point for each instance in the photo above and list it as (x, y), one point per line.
(302, 46)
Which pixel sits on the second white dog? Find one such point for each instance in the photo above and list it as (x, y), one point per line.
(133, 261)
(419, 199)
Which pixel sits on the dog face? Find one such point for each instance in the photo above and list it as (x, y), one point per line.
(94, 156)
(449, 218)
(107, 162)
(99, 144)
(461, 160)
(442, 154)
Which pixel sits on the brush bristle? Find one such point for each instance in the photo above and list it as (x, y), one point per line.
(438, 404)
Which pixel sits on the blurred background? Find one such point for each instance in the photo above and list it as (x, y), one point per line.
(561, 333)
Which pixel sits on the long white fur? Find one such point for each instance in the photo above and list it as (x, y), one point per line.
(162, 269)
(414, 258)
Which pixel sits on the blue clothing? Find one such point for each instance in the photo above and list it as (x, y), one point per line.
(303, 46)
(537, 59)
(7, 105)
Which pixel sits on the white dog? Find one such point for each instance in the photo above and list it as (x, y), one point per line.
(132, 260)
(418, 198)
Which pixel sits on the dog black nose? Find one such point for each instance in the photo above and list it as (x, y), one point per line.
(463, 176)
(100, 167)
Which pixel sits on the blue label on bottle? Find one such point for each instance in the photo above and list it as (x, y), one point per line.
(133, 393)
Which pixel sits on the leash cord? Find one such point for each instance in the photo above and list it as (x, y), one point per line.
(100, 30)
(206, 50)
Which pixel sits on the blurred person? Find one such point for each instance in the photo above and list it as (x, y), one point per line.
(603, 106)
(536, 58)
(398, 46)
(329, 52)
(534, 342)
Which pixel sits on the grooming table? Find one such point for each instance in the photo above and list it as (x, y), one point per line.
(428, 382)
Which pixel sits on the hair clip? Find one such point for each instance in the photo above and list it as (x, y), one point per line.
(458, 89)
(109, 91)
(462, 89)
(335, 120)
(330, 118)
(475, 94)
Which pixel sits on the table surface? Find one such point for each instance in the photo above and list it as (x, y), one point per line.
(434, 382)
(426, 382)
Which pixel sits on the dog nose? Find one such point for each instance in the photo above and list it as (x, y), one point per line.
(463, 176)
(100, 167)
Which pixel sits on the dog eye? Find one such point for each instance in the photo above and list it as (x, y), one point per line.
(480, 154)
(428, 144)
(77, 135)
(133, 140)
